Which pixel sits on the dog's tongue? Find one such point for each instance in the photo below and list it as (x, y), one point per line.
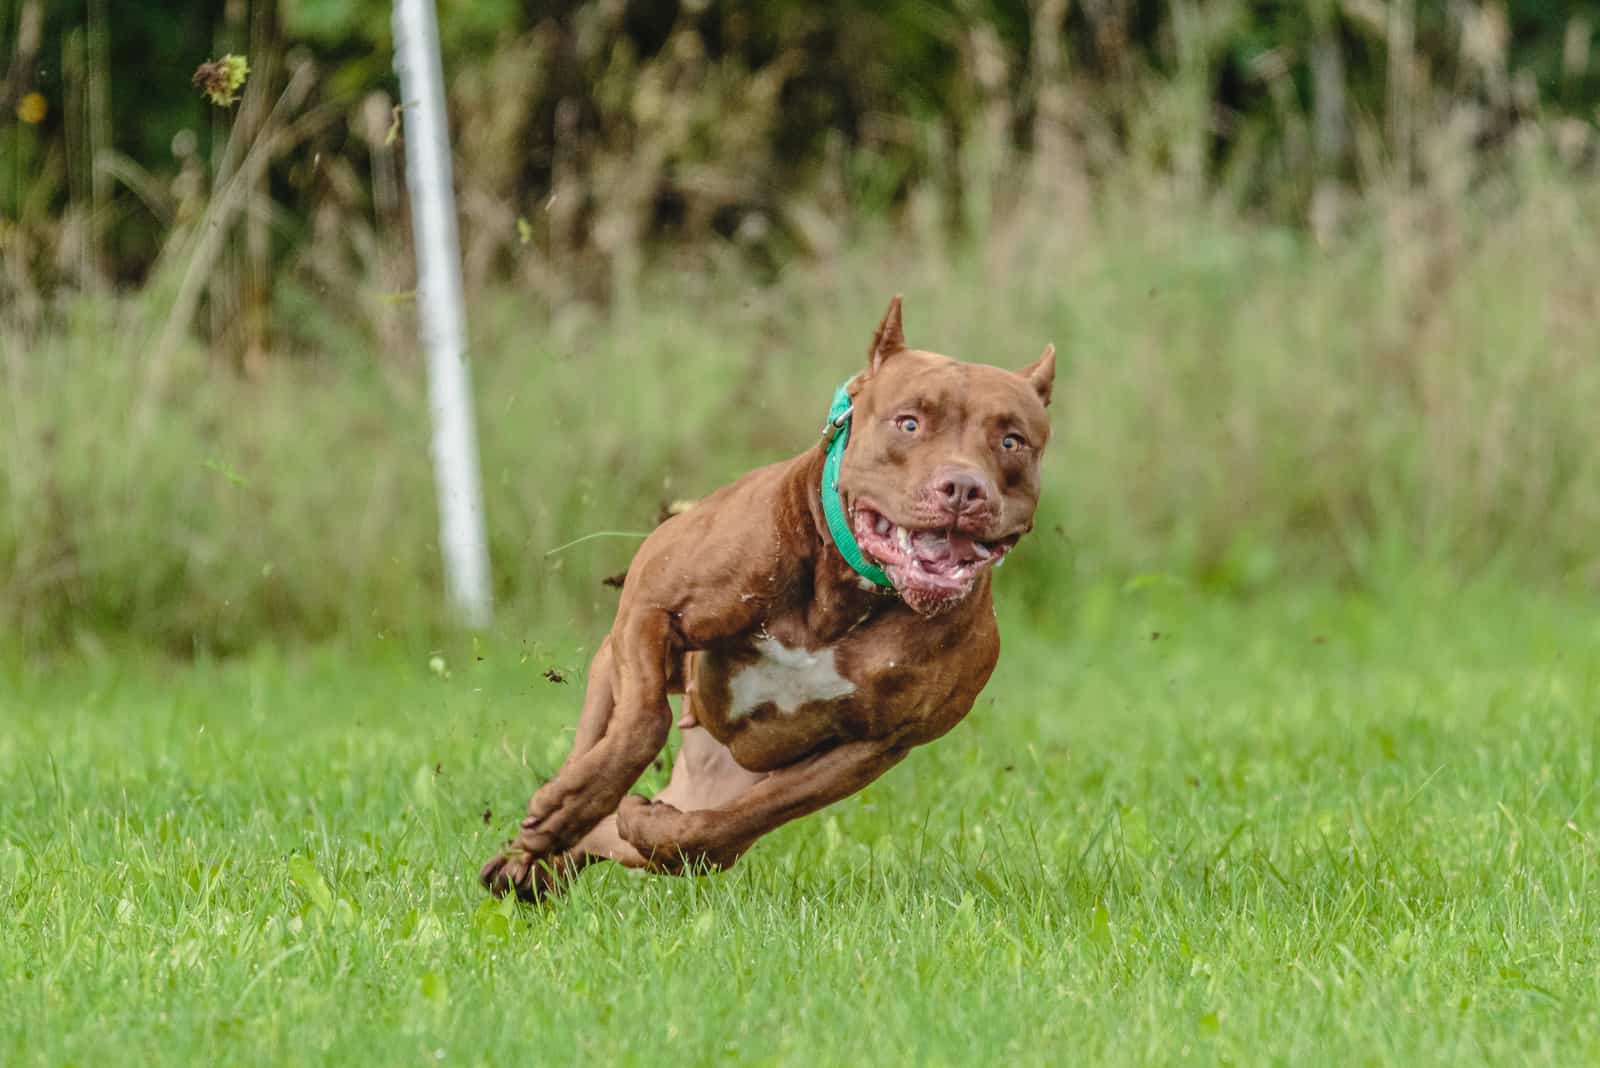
(934, 546)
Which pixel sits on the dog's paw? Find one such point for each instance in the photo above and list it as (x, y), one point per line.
(516, 871)
(643, 822)
(504, 871)
(655, 828)
(671, 840)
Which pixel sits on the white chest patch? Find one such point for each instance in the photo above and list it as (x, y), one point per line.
(788, 678)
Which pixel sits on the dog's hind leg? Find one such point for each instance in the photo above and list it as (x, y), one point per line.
(718, 835)
(704, 776)
(598, 701)
(602, 842)
(590, 784)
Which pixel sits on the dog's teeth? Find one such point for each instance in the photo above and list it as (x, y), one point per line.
(982, 550)
(903, 539)
(884, 526)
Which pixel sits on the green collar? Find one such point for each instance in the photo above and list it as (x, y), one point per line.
(836, 433)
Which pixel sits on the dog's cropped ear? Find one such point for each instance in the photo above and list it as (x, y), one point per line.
(1041, 374)
(889, 339)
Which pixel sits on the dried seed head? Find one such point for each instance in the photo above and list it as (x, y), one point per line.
(221, 79)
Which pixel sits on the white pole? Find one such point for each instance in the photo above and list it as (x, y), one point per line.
(428, 176)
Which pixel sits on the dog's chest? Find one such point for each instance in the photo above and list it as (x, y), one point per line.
(785, 679)
(777, 695)
(779, 682)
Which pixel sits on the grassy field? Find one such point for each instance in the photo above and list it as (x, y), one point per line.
(1304, 828)
(1292, 755)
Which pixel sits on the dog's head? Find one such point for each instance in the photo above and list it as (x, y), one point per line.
(940, 477)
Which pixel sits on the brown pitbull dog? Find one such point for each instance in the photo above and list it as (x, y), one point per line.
(805, 676)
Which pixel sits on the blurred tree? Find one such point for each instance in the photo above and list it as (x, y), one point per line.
(605, 123)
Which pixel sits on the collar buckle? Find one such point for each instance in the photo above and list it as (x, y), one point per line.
(832, 427)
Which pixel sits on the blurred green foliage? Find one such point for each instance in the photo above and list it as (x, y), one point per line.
(846, 72)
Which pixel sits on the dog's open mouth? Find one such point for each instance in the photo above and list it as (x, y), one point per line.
(930, 568)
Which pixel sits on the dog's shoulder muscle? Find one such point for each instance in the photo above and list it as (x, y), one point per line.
(720, 566)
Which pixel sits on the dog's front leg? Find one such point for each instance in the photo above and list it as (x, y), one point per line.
(590, 784)
(672, 839)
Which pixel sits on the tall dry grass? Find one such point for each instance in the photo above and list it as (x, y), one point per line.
(1237, 407)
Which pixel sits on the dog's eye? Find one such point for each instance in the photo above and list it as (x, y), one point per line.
(1011, 442)
(908, 423)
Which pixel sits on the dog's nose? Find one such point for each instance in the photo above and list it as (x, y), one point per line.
(962, 491)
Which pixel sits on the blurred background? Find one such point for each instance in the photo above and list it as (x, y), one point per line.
(1323, 277)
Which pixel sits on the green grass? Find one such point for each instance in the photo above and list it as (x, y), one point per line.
(1306, 828)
